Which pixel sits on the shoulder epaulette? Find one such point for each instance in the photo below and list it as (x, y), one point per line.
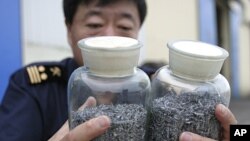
(42, 73)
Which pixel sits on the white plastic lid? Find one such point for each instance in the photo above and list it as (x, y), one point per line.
(196, 60)
(110, 55)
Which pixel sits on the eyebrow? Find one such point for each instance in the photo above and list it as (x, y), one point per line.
(125, 15)
(92, 13)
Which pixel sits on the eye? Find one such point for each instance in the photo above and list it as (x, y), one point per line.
(125, 28)
(94, 25)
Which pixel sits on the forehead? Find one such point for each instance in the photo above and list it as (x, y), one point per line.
(120, 7)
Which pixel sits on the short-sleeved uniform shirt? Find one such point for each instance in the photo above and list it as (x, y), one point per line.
(34, 106)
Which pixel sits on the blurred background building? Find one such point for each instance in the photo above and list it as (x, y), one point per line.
(33, 30)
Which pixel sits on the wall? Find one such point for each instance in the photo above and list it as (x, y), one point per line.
(44, 32)
(169, 20)
(244, 50)
(43, 22)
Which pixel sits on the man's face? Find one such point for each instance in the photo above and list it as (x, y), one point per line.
(118, 19)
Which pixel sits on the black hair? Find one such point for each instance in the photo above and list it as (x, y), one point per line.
(70, 7)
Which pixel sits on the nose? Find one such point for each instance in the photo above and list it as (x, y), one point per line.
(109, 31)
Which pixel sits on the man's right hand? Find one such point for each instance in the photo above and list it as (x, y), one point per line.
(88, 130)
(85, 131)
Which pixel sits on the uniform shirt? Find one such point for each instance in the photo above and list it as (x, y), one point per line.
(34, 106)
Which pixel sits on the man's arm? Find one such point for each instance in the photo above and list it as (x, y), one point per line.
(20, 117)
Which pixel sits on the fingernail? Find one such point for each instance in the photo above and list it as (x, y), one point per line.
(103, 121)
(186, 136)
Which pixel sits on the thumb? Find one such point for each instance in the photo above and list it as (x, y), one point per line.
(188, 136)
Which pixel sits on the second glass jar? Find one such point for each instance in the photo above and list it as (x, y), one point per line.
(186, 92)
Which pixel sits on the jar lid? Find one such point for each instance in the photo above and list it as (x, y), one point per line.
(110, 55)
(196, 60)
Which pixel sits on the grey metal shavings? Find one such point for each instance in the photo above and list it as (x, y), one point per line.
(194, 112)
(128, 121)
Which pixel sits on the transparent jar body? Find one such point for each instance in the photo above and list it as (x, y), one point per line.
(180, 104)
(122, 98)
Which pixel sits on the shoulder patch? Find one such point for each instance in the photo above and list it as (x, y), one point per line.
(41, 73)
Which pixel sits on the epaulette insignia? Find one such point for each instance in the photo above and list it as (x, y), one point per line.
(40, 73)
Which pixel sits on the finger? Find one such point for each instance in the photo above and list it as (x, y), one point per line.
(225, 117)
(88, 130)
(90, 102)
(188, 136)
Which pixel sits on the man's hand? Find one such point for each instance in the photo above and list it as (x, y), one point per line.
(85, 131)
(88, 130)
(225, 117)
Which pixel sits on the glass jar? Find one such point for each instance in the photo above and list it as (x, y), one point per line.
(185, 92)
(110, 76)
